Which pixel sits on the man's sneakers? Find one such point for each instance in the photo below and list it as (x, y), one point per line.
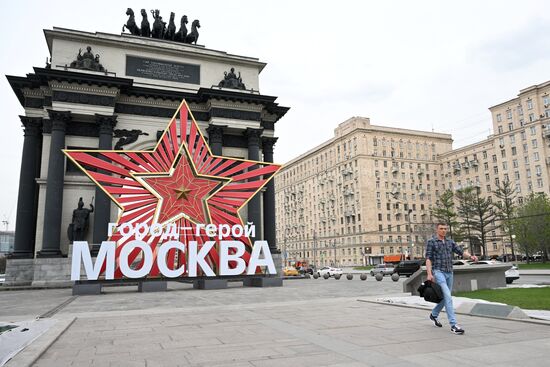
(434, 319)
(456, 329)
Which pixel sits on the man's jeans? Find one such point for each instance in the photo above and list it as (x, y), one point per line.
(445, 281)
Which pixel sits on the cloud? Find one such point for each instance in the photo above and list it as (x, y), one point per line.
(515, 49)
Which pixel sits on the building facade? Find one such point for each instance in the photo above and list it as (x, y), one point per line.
(362, 195)
(365, 195)
(120, 93)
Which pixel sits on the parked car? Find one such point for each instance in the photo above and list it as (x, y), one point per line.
(408, 267)
(511, 274)
(329, 270)
(290, 271)
(384, 269)
(304, 270)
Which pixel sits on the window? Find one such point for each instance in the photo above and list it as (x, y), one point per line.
(500, 129)
(520, 110)
(529, 104)
(533, 130)
(538, 170)
(499, 117)
(531, 117)
(515, 163)
(501, 142)
(526, 159)
(536, 156)
(516, 175)
(510, 126)
(509, 114)
(514, 151)
(539, 183)
(523, 135)
(504, 165)
(546, 100)
(503, 153)
(528, 172)
(534, 143)
(484, 154)
(512, 138)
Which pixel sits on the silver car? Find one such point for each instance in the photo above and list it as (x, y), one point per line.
(384, 269)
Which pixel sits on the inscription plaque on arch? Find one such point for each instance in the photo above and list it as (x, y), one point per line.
(162, 70)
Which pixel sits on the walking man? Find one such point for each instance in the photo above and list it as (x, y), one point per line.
(439, 265)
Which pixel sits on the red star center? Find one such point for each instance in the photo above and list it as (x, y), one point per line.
(181, 192)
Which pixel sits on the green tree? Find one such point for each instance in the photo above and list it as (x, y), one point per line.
(465, 198)
(445, 211)
(532, 225)
(484, 216)
(505, 209)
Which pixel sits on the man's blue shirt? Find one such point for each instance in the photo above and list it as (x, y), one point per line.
(440, 253)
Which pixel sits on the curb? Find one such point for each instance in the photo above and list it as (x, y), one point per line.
(529, 321)
(30, 354)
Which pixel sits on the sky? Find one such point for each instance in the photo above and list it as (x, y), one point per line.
(411, 64)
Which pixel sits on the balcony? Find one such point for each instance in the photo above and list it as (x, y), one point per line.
(474, 163)
(546, 132)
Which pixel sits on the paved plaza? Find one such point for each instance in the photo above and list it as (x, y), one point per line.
(305, 323)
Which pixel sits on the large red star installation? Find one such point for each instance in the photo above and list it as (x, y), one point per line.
(180, 181)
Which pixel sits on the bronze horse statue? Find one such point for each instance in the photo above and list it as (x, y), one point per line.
(171, 29)
(158, 25)
(193, 37)
(145, 27)
(182, 32)
(131, 23)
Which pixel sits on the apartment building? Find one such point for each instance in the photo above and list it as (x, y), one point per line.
(366, 194)
(362, 195)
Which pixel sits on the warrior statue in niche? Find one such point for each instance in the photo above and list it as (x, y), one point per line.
(79, 225)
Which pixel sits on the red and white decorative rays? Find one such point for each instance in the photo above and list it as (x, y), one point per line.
(180, 181)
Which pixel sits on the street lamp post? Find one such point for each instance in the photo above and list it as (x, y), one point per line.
(410, 229)
(512, 238)
(314, 248)
(334, 245)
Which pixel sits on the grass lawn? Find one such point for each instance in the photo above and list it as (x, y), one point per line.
(526, 298)
(362, 267)
(534, 266)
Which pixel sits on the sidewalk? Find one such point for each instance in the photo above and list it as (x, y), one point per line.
(306, 322)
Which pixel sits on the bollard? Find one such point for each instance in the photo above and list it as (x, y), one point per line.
(395, 277)
(326, 276)
(337, 276)
(349, 276)
(363, 276)
(315, 276)
(379, 277)
(307, 276)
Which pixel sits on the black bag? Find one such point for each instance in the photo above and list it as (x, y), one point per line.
(431, 292)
